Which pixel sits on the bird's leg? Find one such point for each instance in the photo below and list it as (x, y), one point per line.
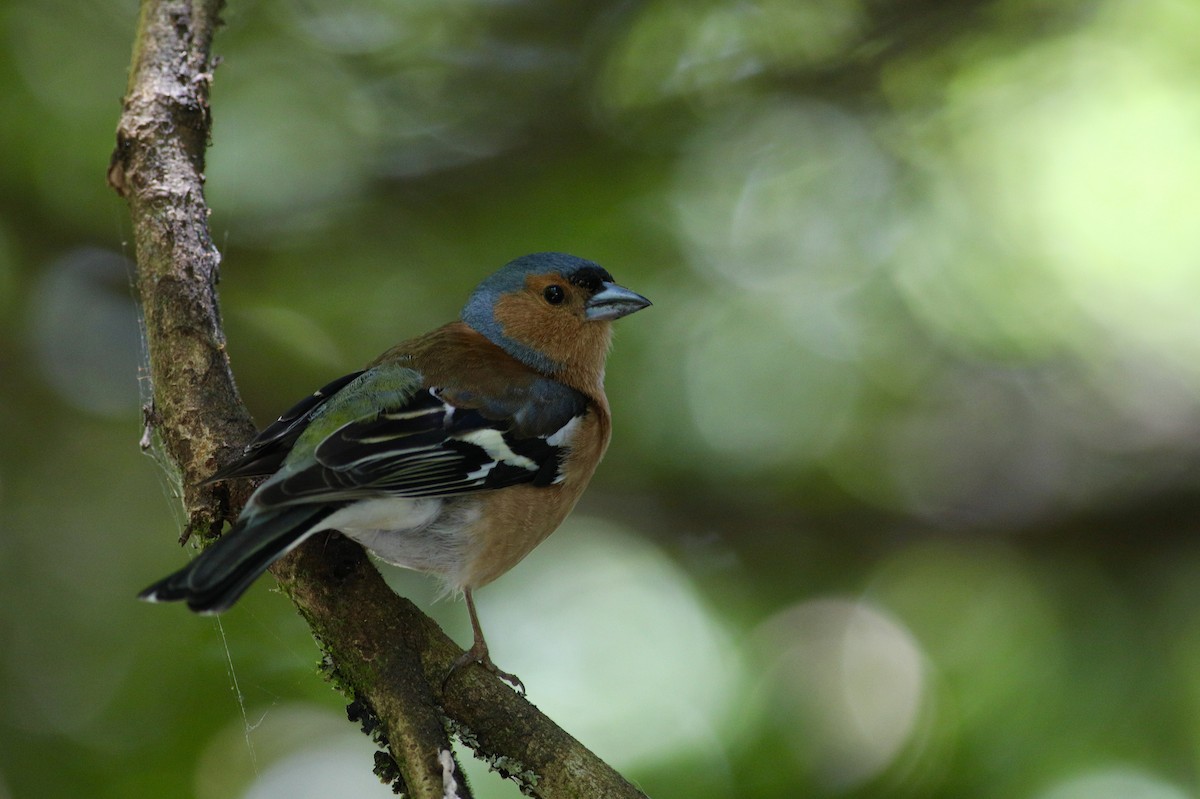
(478, 653)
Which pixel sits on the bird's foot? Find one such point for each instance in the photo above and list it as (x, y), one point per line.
(478, 653)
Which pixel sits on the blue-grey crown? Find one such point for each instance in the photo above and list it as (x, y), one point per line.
(479, 312)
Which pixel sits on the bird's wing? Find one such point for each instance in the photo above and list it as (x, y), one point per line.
(266, 453)
(387, 434)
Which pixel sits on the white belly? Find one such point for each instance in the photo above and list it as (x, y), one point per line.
(429, 534)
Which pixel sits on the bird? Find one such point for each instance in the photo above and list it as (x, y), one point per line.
(453, 453)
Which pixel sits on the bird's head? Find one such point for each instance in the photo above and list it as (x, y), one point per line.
(551, 311)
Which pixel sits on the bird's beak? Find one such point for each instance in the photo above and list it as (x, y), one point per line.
(613, 302)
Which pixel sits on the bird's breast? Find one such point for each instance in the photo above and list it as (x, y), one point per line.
(515, 520)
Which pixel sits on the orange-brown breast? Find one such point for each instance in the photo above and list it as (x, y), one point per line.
(517, 519)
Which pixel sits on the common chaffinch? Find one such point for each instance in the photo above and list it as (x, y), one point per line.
(454, 453)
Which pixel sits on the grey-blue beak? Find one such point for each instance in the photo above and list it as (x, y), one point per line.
(613, 302)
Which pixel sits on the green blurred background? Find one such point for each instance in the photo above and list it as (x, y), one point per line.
(904, 489)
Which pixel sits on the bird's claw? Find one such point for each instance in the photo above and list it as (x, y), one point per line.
(479, 654)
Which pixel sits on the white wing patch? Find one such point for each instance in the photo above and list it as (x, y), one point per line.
(492, 442)
(563, 437)
(565, 434)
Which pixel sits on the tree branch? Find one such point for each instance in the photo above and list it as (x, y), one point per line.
(158, 167)
(381, 651)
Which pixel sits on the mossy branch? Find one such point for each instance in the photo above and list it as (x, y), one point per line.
(383, 652)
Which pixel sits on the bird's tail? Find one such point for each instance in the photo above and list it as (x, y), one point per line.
(220, 574)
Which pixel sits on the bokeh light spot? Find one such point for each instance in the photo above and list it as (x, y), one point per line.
(1108, 191)
(1115, 783)
(290, 751)
(974, 605)
(334, 768)
(795, 199)
(846, 685)
(600, 612)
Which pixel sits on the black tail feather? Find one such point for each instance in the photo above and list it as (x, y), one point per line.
(219, 575)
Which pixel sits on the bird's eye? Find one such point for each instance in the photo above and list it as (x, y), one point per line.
(554, 294)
